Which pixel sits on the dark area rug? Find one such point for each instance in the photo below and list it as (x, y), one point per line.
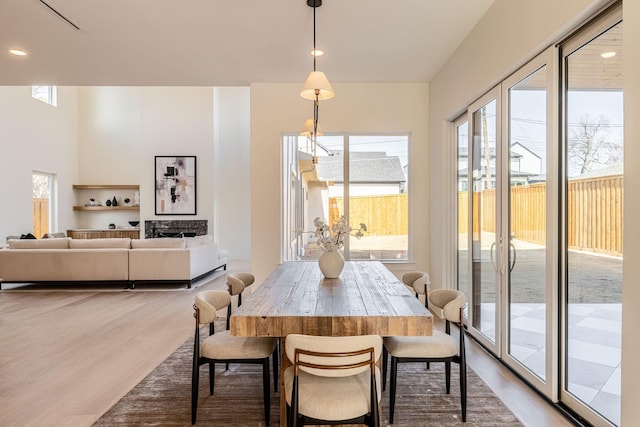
(163, 398)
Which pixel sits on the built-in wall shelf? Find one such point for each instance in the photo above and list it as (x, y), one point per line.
(106, 208)
(103, 194)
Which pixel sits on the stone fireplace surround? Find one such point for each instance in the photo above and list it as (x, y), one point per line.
(154, 229)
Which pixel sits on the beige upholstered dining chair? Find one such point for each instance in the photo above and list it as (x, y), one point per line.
(333, 380)
(238, 282)
(221, 347)
(418, 283)
(440, 347)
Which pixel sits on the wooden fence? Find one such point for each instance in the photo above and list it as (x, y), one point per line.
(385, 215)
(595, 208)
(40, 217)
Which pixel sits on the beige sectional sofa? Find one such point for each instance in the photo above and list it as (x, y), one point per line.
(100, 260)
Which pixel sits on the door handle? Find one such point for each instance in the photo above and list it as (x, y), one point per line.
(512, 259)
(493, 261)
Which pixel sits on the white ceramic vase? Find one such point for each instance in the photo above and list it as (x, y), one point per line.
(331, 264)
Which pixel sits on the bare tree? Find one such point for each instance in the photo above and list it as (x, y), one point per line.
(589, 147)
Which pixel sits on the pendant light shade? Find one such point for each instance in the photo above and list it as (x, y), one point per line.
(317, 84)
(307, 130)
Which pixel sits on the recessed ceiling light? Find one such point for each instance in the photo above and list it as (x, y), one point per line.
(317, 52)
(17, 52)
(606, 55)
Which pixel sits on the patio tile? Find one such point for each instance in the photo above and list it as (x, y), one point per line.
(536, 363)
(588, 374)
(608, 405)
(528, 339)
(582, 309)
(586, 394)
(600, 324)
(529, 324)
(605, 338)
(596, 353)
(614, 384)
(521, 352)
(608, 312)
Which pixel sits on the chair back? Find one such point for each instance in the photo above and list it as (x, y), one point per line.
(333, 356)
(418, 280)
(447, 304)
(237, 282)
(207, 304)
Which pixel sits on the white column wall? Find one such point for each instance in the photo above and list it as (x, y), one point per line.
(35, 136)
(232, 171)
(278, 108)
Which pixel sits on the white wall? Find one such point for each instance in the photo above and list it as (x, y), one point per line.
(232, 172)
(35, 136)
(278, 108)
(122, 129)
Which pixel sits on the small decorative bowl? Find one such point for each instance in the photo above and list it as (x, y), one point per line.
(134, 223)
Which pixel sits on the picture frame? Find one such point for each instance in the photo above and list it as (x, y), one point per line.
(175, 185)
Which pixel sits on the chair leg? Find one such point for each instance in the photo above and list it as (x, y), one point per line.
(212, 374)
(195, 377)
(463, 390)
(275, 356)
(447, 374)
(375, 415)
(392, 392)
(385, 356)
(195, 383)
(266, 389)
(294, 404)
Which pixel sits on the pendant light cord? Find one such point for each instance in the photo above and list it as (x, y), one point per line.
(314, 39)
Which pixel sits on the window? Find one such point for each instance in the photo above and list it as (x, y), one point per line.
(364, 178)
(43, 203)
(47, 94)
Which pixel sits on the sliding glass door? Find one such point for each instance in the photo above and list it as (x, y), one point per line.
(540, 196)
(485, 220)
(594, 196)
(530, 156)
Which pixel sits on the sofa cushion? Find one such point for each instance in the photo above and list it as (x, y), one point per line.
(165, 242)
(117, 243)
(191, 242)
(39, 244)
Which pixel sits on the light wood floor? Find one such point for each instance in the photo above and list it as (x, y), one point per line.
(67, 357)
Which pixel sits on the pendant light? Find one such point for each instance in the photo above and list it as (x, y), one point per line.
(316, 87)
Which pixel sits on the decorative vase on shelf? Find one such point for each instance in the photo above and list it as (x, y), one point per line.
(331, 264)
(114, 202)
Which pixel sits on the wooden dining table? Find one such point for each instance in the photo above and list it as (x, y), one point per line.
(296, 299)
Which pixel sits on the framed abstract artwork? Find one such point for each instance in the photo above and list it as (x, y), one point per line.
(175, 188)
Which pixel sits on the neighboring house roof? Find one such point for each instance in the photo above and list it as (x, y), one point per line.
(524, 147)
(538, 178)
(614, 169)
(371, 167)
(463, 153)
(465, 172)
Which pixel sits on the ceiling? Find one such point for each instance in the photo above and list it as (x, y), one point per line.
(228, 42)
